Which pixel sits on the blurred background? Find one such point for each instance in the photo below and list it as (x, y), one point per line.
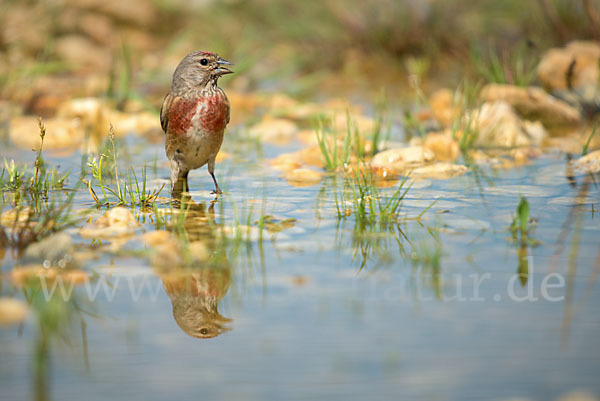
(319, 86)
(53, 49)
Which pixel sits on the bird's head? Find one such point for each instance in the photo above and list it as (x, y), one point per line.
(198, 70)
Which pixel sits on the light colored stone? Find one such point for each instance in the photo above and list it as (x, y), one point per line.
(60, 133)
(589, 163)
(274, 130)
(302, 177)
(139, 12)
(348, 122)
(98, 27)
(249, 233)
(96, 116)
(130, 123)
(439, 170)
(533, 103)
(243, 104)
(116, 222)
(311, 156)
(444, 105)
(285, 165)
(498, 125)
(12, 311)
(308, 137)
(400, 159)
(118, 217)
(443, 146)
(567, 144)
(82, 52)
(552, 69)
(89, 110)
(24, 275)
(156, 238)
(308, 156)
(15, 217)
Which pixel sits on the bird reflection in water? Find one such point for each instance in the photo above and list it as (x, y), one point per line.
(197, 287)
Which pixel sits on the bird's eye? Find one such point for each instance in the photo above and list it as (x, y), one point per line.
(204, 331)
(204, 61)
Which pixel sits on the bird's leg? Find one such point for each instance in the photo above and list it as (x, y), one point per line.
(217, 190)
(179, 180)
(184, 180)
(211, 171)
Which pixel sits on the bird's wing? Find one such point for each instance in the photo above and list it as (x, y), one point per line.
(164, 112)
(228, 111)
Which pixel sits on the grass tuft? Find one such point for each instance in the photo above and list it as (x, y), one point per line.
(128, 191)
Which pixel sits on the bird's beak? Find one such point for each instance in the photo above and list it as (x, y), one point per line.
(222, 70)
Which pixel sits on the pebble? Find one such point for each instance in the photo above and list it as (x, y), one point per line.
(12, 311)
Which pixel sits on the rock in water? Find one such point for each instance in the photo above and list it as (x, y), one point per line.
(581, 57)
(498, 125)
(589, 163)
(439, 171)
(274, 130)
(533, 103)
(303, 177)
(60, 133)
(400, 159)
(573, 73)
(445, 106)
(116, 222)
(442, 144)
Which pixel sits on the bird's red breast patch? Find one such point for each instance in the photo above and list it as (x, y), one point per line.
(215, 114)
(181, 112)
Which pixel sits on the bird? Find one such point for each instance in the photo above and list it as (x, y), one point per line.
(195, 295)
(193, 116)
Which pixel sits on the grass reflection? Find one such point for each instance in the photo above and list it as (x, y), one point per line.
(56, 319)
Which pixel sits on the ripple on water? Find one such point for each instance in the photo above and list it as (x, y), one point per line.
(553, 175)
(572, 200)
(530, 191)
(439, 203)
(466, 224)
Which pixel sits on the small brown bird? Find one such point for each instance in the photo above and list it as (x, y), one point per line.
(195, 296)
(194, 115)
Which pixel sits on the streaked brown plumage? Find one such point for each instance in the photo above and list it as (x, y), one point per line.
(193, 116)
(195, 297)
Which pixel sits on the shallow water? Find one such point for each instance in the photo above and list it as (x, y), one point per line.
(426, 309)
